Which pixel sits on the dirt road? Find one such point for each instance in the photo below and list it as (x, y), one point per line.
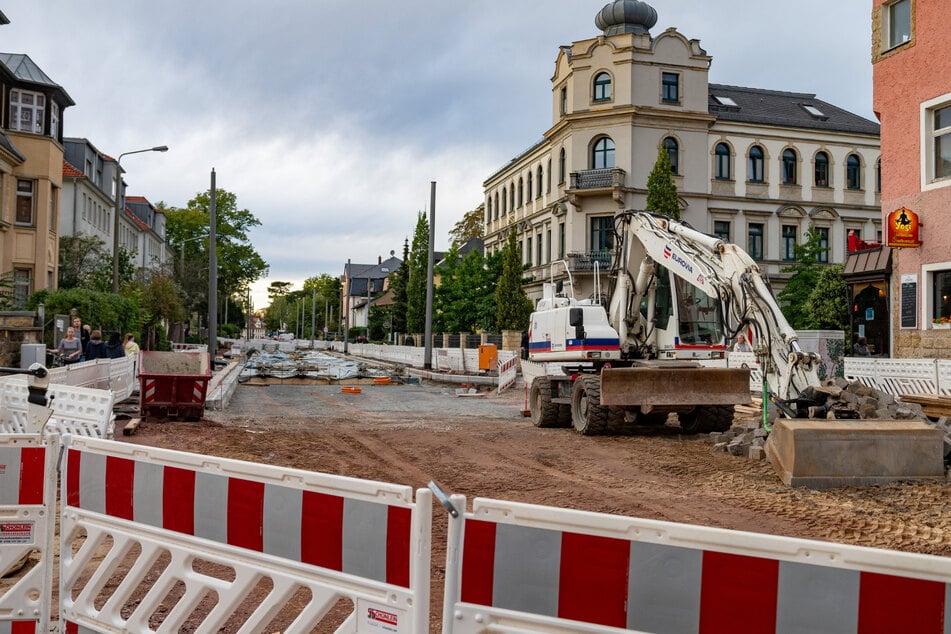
(482, 446)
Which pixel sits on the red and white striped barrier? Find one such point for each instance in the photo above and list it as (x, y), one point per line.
(508, 372)
(27, 526)
(514, 567)
(336, 537)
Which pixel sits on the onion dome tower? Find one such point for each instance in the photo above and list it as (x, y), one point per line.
(626, 16)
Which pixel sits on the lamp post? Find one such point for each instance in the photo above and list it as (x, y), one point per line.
(118, 210)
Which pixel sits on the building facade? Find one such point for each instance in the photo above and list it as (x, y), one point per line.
(362, 285)
(31, 174)
(911, 57)
(755, 167)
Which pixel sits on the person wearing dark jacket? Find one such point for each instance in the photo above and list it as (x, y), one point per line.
(96, 348)
(114, 349)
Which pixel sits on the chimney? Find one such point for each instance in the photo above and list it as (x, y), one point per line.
(379, 259)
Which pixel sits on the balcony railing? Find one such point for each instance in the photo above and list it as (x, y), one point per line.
(595, 179)
(584, 260)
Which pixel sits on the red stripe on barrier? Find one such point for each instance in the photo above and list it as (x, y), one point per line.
(321, 529)
(120, 473)
(726, 577)
(478, 562)
(32, 474)
(592, 585)
(71, 628)
(398, 529)
(246, 514)
(178, 500)
(73, 461)
(23, 627)
(921, 604)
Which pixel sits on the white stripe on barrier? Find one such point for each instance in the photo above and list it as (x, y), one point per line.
(27, 526)
(514, 567)
(76, 410)
(340, 538)
(508, 371)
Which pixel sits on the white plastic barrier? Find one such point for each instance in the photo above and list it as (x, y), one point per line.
(27, 526)
(514, 567)
(76, 410)
(508, 371)
(894, 376)
(747, 360)
(232, 530)
(189, 347)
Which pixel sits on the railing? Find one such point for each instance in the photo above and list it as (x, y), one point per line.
(595, 179)
(584, 260)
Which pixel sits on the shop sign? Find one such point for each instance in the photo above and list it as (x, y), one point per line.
(903, 228)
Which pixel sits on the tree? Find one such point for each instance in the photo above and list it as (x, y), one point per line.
(418, 277)
(805, 275)
(325, 290)
(80, 257)
(7, 296)
(471, 226)
(105, 311)
(399, 283)
(277, 289)
(827, 307)
(162, 302)
(661, 188)
(514, 307)
(465, 297)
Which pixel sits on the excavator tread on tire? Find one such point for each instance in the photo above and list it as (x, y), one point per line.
(706, 418)
(544, 412)
(588, 416)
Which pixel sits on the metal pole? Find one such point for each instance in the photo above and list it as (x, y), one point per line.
(212, 275)
(428, 352)
(346, 310)
(313, 317)
(369, 281)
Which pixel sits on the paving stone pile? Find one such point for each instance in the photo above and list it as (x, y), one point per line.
(833, 399)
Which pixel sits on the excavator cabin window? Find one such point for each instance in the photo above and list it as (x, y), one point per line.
(697, 316)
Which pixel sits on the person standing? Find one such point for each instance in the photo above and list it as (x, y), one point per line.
(114, 349)
(70, 347)
(741, 344)
(131, 347)
(96, 348)
(82, 332)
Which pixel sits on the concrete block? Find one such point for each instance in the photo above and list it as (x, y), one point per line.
(822, 454)
(756, 453)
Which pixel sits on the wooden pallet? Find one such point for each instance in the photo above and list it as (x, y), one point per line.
(933, 405)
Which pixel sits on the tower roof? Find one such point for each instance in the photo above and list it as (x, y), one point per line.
(626, 16)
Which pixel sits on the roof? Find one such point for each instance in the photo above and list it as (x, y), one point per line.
(26, 70)
(8, 146)
(786, 109)
(868, 265)
(71, 172)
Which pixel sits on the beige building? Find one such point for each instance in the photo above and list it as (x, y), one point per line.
(756, 167)
(31, 173)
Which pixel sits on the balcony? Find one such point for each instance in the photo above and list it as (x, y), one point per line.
(597, 179)
(581, 261)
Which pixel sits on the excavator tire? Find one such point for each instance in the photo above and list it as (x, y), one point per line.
(588, 416)
(717, 418)
(564, 415)
(654, 419)
(544, 412)
(616, 425)
(691, 422)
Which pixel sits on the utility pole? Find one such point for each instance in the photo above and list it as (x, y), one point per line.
(428, 351)
(212, 276)
(346, 316)
(313, 317)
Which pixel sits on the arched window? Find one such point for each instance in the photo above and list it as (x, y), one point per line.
(602, 87)
(549, 176)
(540, 176)
(756, 164)
(528, 189)
(822, 169)
(853, 172)
(878, 176)
(602, 155)
(505, 200)
(722, 164)
(561, 167)
(789, 167)
(673, 153)
(521, 189)
(512, 198)
(496, 205)
(488, 210)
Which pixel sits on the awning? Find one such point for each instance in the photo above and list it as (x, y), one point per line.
(868, 265)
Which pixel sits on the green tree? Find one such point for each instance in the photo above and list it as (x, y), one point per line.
(80, 257)
(7, 299)
(471, 226)
(418, 277)
(161, 299)
(100, 277)
(661, 188)
(514, 307)
(805, 275)
(827, 307)
(399, 283)
(326, 290)
(465, 298)
(105, 311)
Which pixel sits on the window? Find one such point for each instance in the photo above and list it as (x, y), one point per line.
(722, 162)
(561, 241)
(756, 164)
(790, 233)
(564, 100)
(22, 286)
(815, 112)
(512, 198)
(528, 251)
(521, 188)
(24, 212)
(602, 234)
(896, 23)
(488, 211)
(540, 175)
(823, 256)
(54, 120)
(941, 294)
(853, 172)
(602, 87)
(673, 153)
(548, 185)
(938, 142)
(878, 176)
(602, 156)
(561, 167)
(548, 243)
(754, 242)
(721, 229)
(505, 201)
(789, 167)
(497, 205)
(538, 246)
(726, 101)
(670, 87)
(26, 111)
(822, 169)
(528, 190)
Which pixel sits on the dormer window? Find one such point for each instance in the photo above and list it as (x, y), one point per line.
(726, 101)
(27, 110)
(815, 112)
(602, 87)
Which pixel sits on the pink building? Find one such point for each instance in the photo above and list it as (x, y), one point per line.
(911, 56)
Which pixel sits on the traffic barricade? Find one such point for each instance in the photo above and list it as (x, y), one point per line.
(514, 567)
(143, 528)
(27, 526)
(76, 410)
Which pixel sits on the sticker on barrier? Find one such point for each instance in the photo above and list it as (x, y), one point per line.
(514, 567)
(288, 543)
(28, 512)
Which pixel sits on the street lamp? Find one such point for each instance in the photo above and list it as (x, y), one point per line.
(118, 210)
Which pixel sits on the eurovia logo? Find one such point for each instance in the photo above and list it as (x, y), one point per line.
(670, 255)
(667, 252)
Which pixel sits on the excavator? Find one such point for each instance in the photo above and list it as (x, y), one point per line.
(654, 341)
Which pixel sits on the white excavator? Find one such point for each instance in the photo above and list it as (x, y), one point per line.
(650, 345)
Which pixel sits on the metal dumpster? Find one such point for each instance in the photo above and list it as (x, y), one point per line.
(173, 384)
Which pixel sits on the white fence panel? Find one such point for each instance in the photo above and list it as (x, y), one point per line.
(944, 377)
(75, 410)
(508, 370)
(747, 360)
(894, 376)
(295, 540)
(513, 567)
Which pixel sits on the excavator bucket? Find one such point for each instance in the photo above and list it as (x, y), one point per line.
(675, 386)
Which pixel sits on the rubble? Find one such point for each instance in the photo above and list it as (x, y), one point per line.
(833, 399)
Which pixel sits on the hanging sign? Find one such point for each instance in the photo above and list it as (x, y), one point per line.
(903, 228)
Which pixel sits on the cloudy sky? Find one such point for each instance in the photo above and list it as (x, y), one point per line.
(329, 118)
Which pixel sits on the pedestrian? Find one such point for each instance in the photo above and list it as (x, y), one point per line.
(70, 347)
(860, 349)
(114, 349)
(82, 331)
(741, 344)
(524, 345)
(96, 348)
(131, 347)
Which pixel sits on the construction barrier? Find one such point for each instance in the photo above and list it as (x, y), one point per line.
(75, 410)
(747, 360)
(899, 376)
(514, 567)
(236, 533)
(508, 371)
(27, 526)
